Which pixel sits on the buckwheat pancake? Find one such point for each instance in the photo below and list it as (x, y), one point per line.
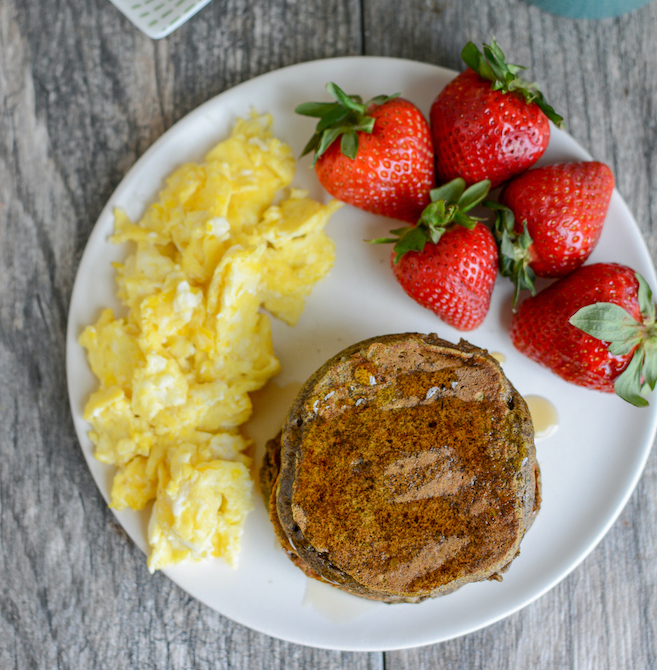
(405, 468)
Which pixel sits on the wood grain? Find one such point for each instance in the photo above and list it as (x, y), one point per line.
(83, 94)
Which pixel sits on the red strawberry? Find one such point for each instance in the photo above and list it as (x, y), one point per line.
(595, 328)
(488, 123)
(384, 161)
(448, 262)
(549, 219)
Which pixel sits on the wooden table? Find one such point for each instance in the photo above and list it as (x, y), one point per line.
(83, 95)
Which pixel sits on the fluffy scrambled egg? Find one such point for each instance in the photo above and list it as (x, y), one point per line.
(175, 373)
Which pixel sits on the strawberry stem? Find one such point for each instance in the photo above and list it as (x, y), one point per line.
(492, 65)
(514, 256)
(449, 204)
(342, 119)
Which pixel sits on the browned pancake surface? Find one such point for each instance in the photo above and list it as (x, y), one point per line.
(407, 469)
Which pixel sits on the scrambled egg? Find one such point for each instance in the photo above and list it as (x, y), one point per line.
(175, 373)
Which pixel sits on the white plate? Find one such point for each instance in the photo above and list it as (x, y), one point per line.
(590, 465)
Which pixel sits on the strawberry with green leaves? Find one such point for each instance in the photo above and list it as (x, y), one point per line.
(488, 123)
(549, 220)
(376, 156)
(448, 261)
(594, 328)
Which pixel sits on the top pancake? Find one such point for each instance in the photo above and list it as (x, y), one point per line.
(407, 468)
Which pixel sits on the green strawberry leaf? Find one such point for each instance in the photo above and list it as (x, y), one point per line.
(313, 143)
(326, 139)
(383, 240)
(495, 56)
(413, 239)
(607, 322)
(400, 231)
(350, 102)
(349, 144)
(450, 192)
(474, 194)
(433, 214)
(646, 304)
(332, 117)
(381, 99)
(650, 364)
(464, 220)
(316, 109)
(628, 383)
(475, 61)
(492, 65)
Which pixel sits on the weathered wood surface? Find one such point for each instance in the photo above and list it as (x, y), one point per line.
(82, 95)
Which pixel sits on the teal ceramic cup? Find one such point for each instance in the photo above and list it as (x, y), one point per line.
(589, 9)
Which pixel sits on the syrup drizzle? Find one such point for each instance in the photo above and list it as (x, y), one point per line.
(544, 415)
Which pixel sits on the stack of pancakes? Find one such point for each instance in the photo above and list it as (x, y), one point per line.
(405, 468)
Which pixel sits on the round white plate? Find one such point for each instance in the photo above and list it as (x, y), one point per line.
(590, 465)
